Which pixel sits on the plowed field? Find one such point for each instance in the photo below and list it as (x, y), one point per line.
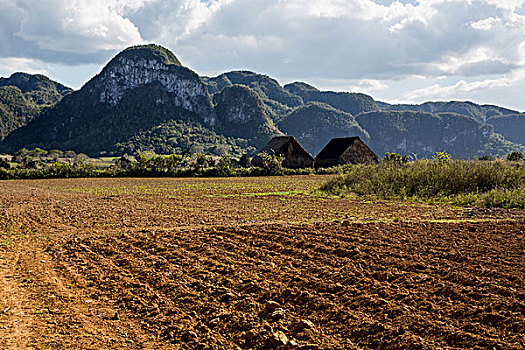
(258, 263)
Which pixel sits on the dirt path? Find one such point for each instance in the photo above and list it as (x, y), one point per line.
(15, 321)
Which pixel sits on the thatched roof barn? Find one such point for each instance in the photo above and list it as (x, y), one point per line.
(295, 156)
(346, 150)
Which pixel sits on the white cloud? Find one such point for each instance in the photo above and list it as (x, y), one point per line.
(485, 24)
(9, 65)
(465, 90)
(368, 85)
(506, 4)
(362, 42)
(77, 25)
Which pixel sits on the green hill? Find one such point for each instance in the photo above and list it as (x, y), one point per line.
(315, 124)
(140, 88)
(15, 110)
(23, 97)
(267, 88)
(422, 134)
(177, 136)
(278, 101)
(241, 113)
(37, 88)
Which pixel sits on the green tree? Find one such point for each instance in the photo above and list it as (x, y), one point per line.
(200, 162)
(224, 165)
(245, 161)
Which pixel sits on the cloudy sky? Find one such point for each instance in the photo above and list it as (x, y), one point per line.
(397, 51)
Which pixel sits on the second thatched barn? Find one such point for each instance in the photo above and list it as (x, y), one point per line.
(346, 150)
(295, 156)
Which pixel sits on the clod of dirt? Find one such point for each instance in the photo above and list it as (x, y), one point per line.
(309, 347)
(278, 339)
(266, 327)
(228, 297)
(250, 334)
(305, 324)
(278, 314)
(272, 305)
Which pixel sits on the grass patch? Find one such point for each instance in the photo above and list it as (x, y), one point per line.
(461, 182)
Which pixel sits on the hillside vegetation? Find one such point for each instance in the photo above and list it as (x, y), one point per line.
(15, 110)
(180, 137)
(241, 113)
(145, 99)
(479, 112)
(510, 125)
(422, 134)
(353, 103)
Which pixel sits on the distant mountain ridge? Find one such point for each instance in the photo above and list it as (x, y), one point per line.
(353, 103)
(479, 112)
(144, 99)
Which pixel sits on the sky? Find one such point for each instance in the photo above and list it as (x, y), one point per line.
(396, 51)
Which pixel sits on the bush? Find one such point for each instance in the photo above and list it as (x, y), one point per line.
(245, 161)
(224, 164)
(515, 157)
(146, 164)
(441, 156)
(4, 164)
(394, 159)
(273, 164)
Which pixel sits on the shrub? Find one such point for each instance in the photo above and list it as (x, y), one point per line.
(394, 159)
(200, 162)
(441, 156)
(224, 164)
(4, 164)
(245, 161)
(515, 157)
(273, 164)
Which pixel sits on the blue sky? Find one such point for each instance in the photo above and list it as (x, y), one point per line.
(396, 51)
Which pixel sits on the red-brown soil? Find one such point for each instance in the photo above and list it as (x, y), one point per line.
(252, 264)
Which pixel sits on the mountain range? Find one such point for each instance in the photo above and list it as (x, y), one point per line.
(144, 99)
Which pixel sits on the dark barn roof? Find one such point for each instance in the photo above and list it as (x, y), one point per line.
(345, 150)
(336, 147)
(295, 156)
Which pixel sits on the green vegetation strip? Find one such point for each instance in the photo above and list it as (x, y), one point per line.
(473, 183)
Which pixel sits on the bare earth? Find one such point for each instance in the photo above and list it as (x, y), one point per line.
(254, 263)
